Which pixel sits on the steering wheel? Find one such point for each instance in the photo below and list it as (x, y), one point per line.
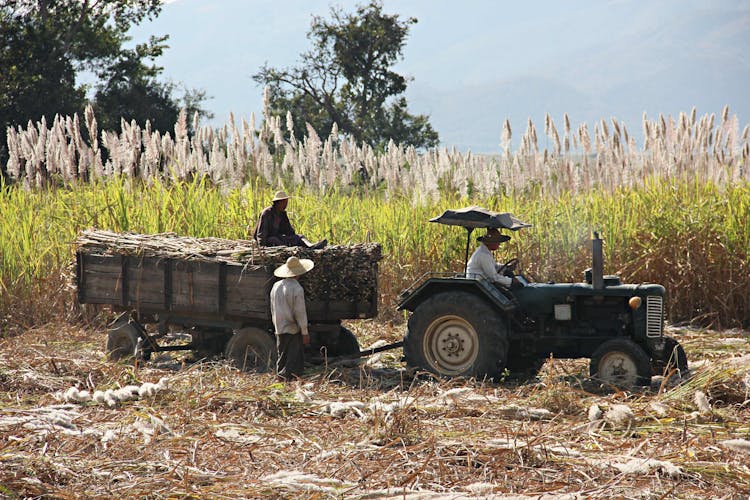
(509, 267)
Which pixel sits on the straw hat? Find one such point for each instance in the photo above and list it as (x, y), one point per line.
(280, 195)
(293, 267)
(493, 236)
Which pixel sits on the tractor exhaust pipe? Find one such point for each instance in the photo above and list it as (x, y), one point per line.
(597, 264)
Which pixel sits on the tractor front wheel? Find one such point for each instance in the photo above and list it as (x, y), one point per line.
(621, 363)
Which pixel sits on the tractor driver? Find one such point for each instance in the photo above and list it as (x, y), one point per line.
(482, 263)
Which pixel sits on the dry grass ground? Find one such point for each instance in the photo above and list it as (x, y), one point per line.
(367, 431)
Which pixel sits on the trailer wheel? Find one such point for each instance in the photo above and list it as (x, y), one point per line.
(252, 350)
(525, 368)
(347, 343)
(674, 356)
(457, 334)
(122, 340)
(621, 363)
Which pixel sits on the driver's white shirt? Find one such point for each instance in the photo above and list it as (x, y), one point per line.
(482, 263)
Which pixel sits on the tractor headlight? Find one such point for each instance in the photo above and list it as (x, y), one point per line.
(634, 302)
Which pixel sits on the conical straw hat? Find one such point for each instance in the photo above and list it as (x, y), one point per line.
(293, 267)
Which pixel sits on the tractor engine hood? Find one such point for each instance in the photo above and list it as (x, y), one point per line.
(536, 296)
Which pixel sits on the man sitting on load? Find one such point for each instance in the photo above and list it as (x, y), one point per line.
(482, 263)
(274, 228)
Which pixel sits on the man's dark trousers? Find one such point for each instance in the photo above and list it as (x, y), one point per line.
(291, 361)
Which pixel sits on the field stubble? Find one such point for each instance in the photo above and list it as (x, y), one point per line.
(372, 430)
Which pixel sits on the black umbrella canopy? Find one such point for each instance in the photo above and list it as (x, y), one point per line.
(474, 217)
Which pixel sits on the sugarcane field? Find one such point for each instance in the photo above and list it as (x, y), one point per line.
(137, 347)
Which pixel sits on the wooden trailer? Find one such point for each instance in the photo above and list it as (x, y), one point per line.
(218, 291)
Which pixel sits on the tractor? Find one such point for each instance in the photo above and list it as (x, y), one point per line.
(462, 325)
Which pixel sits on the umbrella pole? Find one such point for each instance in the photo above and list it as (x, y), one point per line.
(468, 240)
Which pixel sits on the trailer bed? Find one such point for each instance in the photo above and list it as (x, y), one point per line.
(143, 281)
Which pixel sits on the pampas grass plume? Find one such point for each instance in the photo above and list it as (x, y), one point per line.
(701, 401)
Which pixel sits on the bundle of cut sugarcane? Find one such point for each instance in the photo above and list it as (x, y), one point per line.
(342, 272)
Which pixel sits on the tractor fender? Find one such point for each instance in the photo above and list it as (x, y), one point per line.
(411, 298)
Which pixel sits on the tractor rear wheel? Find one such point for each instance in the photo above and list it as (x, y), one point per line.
(622, 363)
(252, 350)
(457, 334)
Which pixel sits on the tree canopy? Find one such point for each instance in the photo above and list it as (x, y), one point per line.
(347, 78)
(46, 44)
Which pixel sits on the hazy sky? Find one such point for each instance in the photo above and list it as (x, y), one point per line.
(476, 62)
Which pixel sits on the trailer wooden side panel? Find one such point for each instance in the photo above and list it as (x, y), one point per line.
(248, 292)
(145, 283)
(99, 279)
(195, 288)
(163, 285)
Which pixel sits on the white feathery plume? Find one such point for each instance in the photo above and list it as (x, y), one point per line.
(583, 132)
(456, 394)
(740, 445)
(481, 489)
(126, 393)
(266, 102)
(662, 129)
(595, 413)
(604, 130)
(383, 408)
(303, 395)
(643, 467)
(98, 397)
(14, 159)
(147, 390)
(619, 416)
(342, 408)
(555, 136)
(180, 127)
(289, 123)
(701, 401)
(335, 132)
(506, 137)
(659, 408)
(109, 397)
(615, 127)
(70, 395)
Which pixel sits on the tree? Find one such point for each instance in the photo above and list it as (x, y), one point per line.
(45, 44)
(347, 79)
(131, 91)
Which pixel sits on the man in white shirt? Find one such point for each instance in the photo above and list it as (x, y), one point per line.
(482, 262)
(289, 317)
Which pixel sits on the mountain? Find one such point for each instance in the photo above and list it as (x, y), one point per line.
(698, 58)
